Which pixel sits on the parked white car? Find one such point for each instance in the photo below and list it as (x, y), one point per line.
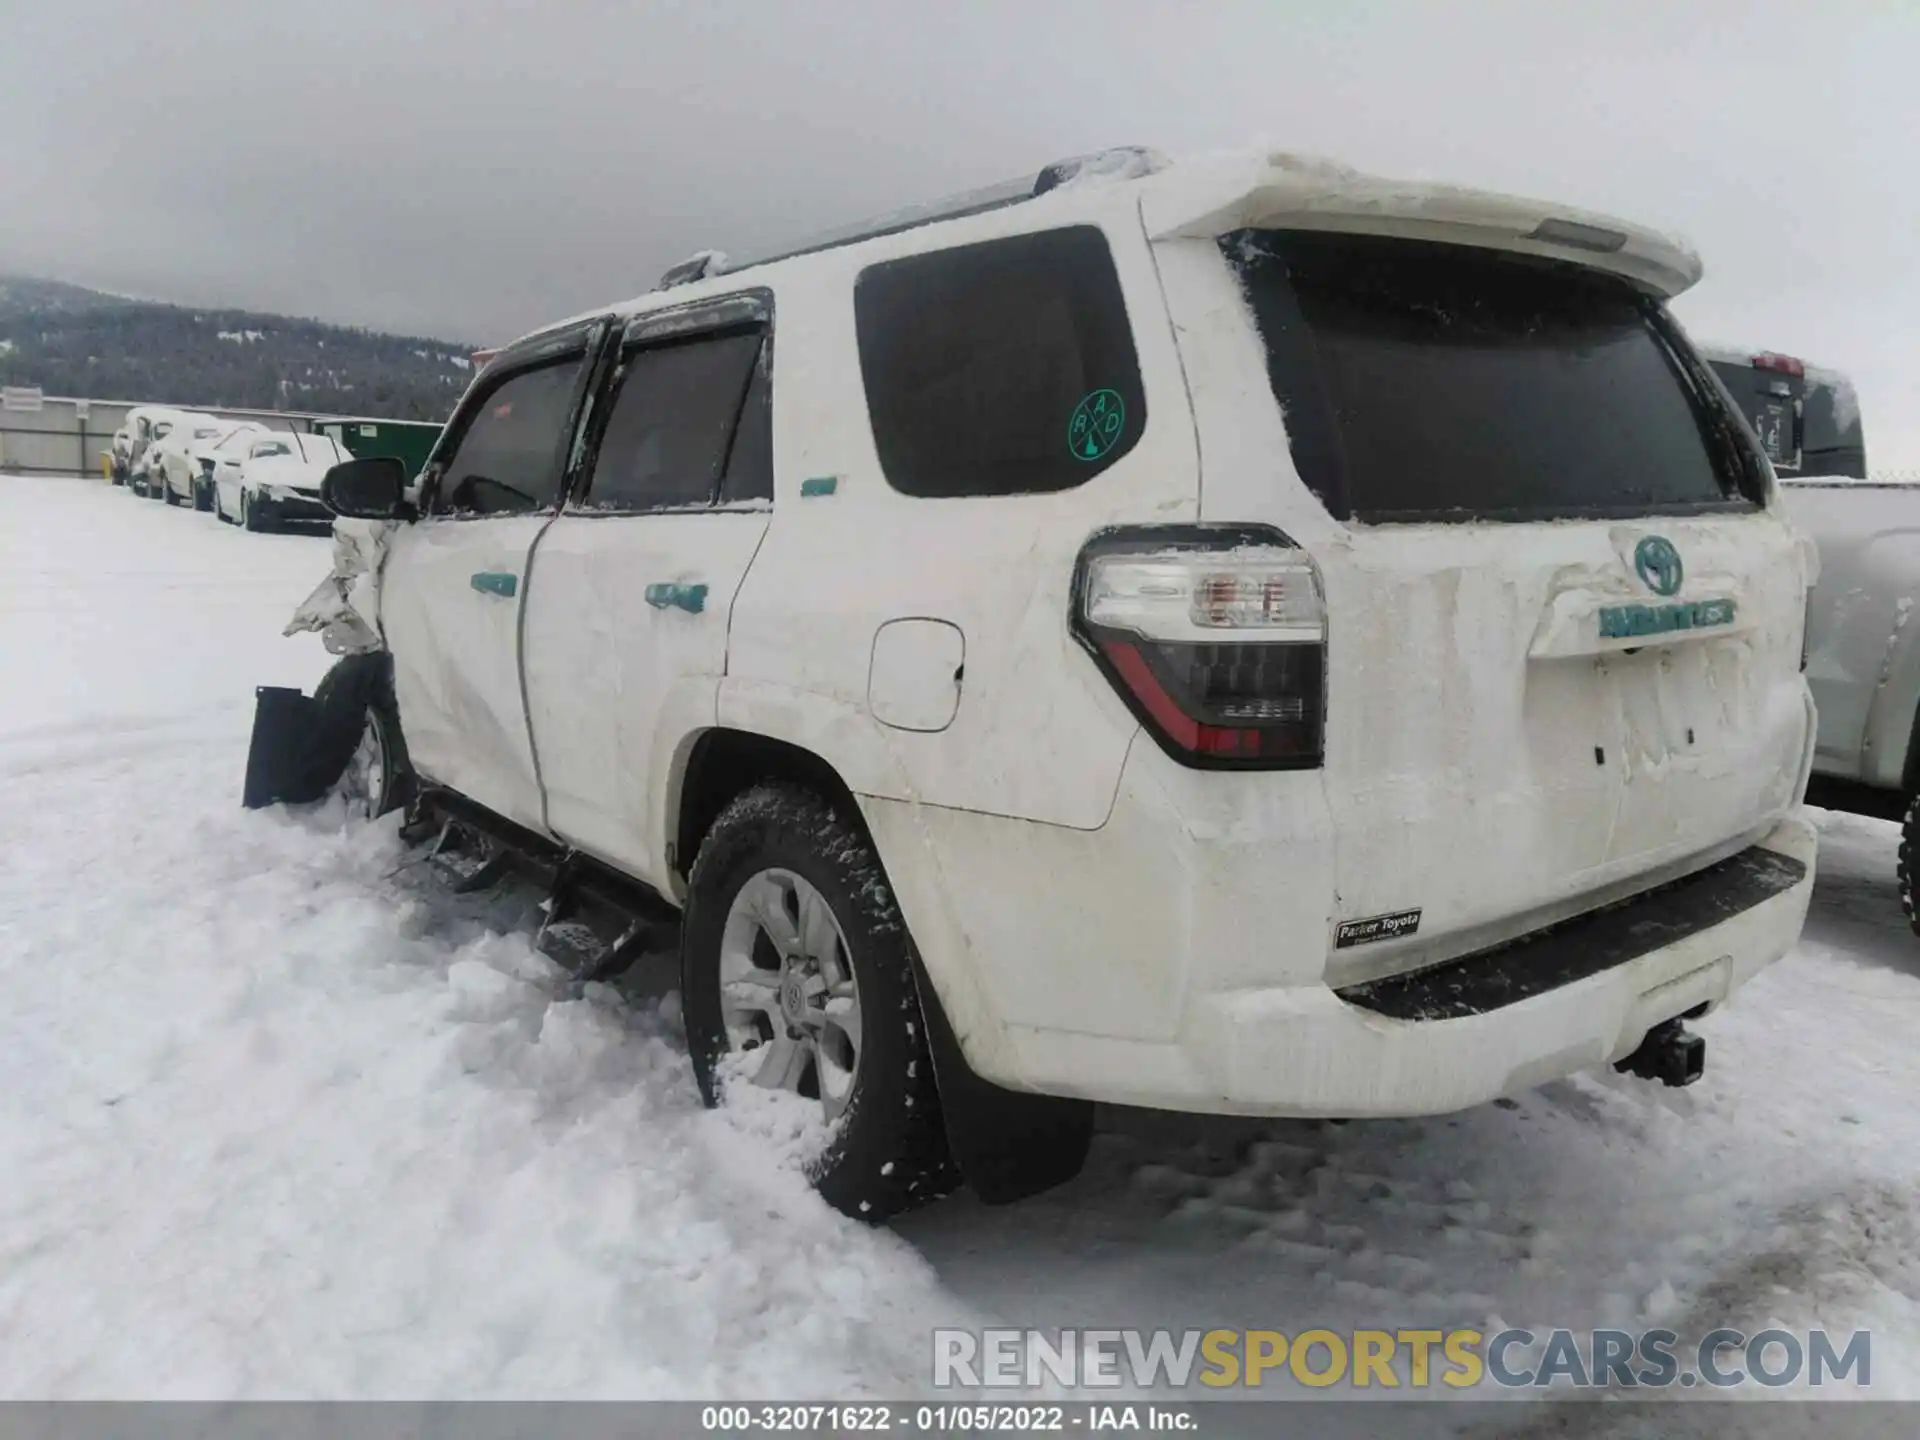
(129, 440)
(275, 480)
(1237, 636)
(174, 467)
(154, 425)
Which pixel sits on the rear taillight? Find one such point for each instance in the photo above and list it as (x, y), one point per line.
(1783, 364)
(1215, 636)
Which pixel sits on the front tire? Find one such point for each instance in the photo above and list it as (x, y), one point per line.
(792, 946)
(358, 751)
(250, 517)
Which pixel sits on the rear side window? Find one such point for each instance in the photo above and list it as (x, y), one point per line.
(1004, 368)
(671, 429)
(1422, 381)
(508, 461)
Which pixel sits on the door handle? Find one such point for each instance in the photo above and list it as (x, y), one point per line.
(495, 582)
(690, 598)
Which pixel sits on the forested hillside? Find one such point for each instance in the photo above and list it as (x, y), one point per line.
(71, 341)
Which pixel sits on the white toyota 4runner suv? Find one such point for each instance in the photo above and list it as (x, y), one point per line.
(1237, 636)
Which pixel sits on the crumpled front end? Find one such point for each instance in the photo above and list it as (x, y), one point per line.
(345, 607)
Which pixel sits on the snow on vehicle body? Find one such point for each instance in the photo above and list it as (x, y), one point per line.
(1863, 651)
(206, 454)
(275, 479)
(174, 467)
(1442, 739)
(155, 423)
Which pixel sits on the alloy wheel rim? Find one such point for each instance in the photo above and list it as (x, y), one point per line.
(787, 989)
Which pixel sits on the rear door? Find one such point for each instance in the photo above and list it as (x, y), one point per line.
(1563, 627)
(455, 583)
(626, 625)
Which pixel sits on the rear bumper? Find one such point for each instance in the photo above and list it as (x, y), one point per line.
(1572, 998)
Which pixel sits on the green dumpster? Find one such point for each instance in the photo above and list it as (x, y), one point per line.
(410, 441)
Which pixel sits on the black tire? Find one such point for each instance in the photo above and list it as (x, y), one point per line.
(250, 516)
(202, 495)
(355, 694)
(166, 491)
(889, 1151)
(1909, 852)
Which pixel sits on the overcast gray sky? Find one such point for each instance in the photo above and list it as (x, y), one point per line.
(471, 168)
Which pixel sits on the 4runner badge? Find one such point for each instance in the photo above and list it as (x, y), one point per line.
(1375, 927)
(1658, 565)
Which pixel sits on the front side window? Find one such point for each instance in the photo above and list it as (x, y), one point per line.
(671, 430)
(508, 459)
(1002, 368)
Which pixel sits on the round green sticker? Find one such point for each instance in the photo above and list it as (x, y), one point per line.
(1096, 424)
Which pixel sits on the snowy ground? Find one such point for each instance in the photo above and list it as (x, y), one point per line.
(279, 1118)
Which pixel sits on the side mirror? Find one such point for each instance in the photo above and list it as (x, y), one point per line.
(369, 489)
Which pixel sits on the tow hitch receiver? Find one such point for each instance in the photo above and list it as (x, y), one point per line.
(1671, 1054)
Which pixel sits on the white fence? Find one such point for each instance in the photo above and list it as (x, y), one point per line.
(61, 435)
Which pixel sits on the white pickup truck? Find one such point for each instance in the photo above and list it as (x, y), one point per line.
(1863, 659)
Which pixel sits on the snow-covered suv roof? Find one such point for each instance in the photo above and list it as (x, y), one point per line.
(1213, 194)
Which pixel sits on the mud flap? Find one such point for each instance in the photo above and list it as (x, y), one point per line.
(279, 767)
(1007, 1144)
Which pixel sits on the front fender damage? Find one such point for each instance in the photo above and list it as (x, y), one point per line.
(287, 759)
(345, 607)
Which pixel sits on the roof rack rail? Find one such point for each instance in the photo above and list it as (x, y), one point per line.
(1124, 162)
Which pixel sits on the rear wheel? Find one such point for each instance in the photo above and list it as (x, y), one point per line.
(1909, 857)
(794, 958)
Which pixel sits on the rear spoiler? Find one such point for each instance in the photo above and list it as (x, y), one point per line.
(1289, 192)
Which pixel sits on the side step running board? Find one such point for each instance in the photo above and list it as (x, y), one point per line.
(597, 923)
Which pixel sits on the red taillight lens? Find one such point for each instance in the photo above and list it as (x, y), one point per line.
(1215, 636)
(1784, 364)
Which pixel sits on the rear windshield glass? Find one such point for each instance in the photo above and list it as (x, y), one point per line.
(1429, 382)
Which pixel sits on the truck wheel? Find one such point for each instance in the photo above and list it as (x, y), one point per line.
(794, 955)
(358, 752)
(1909, 854)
